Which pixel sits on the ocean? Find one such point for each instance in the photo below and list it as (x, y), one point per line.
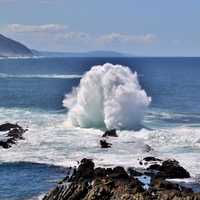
(33, 93)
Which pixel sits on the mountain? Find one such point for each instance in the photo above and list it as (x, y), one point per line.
(78, 54)
(11, 48)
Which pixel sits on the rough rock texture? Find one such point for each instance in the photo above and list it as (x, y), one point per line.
(90, 183)
(169, 169)
(13, 133)
(11, 48)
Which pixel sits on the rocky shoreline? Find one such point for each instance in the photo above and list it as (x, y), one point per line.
(90, 183)
(149, 182)
(153, 180)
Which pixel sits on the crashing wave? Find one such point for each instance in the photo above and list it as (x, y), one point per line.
(108, 96)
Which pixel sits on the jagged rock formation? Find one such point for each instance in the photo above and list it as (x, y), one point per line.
(90, 183)
(12, 133)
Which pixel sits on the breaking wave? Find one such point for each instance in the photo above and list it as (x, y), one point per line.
(45, 76)
(108, 96)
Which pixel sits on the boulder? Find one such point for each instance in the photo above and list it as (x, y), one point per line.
(8, 126)
(14, 133)
(110, 133)
(172, 169)
(104, 144)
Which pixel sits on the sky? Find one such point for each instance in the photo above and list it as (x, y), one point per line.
(136, 27)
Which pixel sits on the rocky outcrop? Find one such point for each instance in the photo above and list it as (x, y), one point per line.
(12, 133)
(90, 183)
(110, 133)
(11, 48)
(165, 169)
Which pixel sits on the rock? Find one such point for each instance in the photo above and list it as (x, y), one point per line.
(110, 133)
(118, 172)
(161, 184)
(134, 172)
(84, 171)
(100, 172)
(147, 148)
(5, 145)
(172, 169)
(90, 183)
(8, 126)
(96, 184)
(105, 144)
(154, 167)
(151, 158)
(14, 133)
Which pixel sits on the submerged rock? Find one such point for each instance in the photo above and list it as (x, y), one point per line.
(110, 133)
(13, 133)
(8, 126)
(90, 183)
(104, 144)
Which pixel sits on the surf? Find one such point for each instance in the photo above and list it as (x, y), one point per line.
(108, 96)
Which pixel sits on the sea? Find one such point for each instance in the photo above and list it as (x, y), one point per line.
(162, 95)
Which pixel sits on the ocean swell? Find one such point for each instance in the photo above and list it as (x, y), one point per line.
(108, 96)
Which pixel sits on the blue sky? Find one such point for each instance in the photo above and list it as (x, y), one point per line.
(139, 27)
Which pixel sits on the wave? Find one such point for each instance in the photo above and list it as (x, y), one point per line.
(49, 141)
(42, 76)
(108, 96)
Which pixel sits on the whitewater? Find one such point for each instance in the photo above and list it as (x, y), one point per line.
(68, 103)
(107, 96)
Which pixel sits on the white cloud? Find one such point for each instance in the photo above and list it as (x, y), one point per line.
(117, 38)
(46, 28)
(60, 37)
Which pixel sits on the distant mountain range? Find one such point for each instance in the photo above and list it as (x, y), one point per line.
(78, 54)
(12, 48)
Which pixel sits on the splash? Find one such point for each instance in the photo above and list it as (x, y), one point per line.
(108, 96)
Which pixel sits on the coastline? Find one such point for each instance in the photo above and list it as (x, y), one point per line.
(90, 183)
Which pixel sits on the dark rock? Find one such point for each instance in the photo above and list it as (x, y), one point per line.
(110, 133)
(172, 169)
(161, 184)
(105, 144)
(8, 126)
(5, 145)
(85, 170)
(100, 172)
(103, 184)
(154, 167)
(134, 172)
(92, 183)
(14, 133)
(151, 158)
(119, 172)
(147, 148)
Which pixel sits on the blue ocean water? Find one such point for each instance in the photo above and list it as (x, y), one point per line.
(32, 91)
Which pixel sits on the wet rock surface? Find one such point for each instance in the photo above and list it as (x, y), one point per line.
(90, 183)
(110, 133)
(12, 133)
(104, 144)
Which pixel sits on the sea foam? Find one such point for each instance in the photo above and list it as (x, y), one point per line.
(108, 96)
